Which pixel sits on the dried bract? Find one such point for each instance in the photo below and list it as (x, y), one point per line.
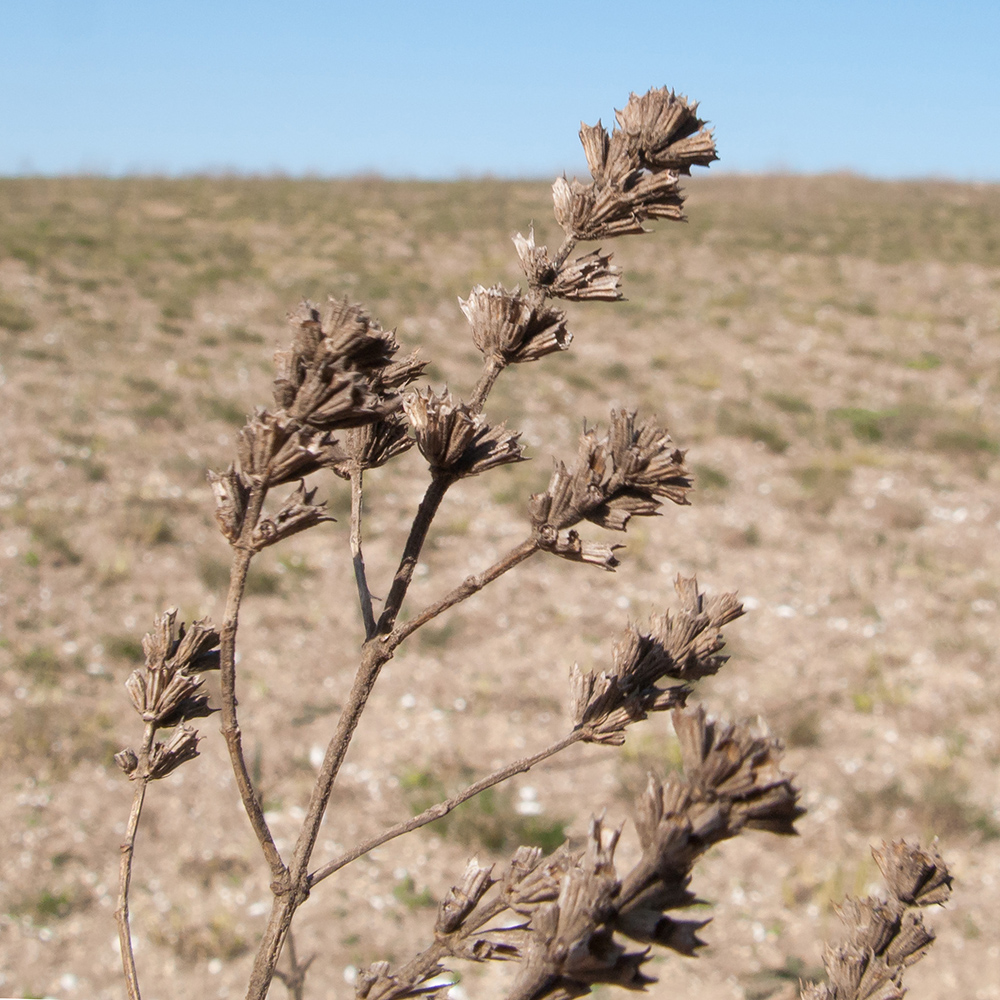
(275, 449)
(296, 514)
(462, 899)
(231, 491)
(166, 757)
(127, 760)
(613, 479)
(374, 444)
(506, 327)
(914, 876)
(454, 440)
(682, 646)
(728, 762)
(164, 690)
(884, 936)
(591, 277)
(667, 131)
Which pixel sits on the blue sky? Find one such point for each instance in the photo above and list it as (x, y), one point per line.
(433, 89)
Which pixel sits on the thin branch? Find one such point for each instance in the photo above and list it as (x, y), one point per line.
(491, 372)
(227, 662)
(295, 979)
(443, 808)
(471, 585)
(436, 490)
(125, 866)
(364, 594)
(295, 890)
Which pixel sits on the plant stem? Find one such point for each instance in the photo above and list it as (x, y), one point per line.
(471, 585)
(364, 594)
(125, 867)
(295, 890)
(433, 496)
(443, 808)
(227, 662)
(295, 979)
(491, 372)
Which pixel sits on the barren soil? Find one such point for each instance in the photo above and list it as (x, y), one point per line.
(828, 351)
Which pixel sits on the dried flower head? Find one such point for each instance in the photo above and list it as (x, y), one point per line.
(590, 277)
(613, 479)
(296, 514)
(231, 491)
(166, 757)
(884, 936)
(667, 132)
(274, 448)
(728, 763)
(374, 444)
(507, 327)
(914, 876)
(164, 690)
(454, 440)
(683, 646)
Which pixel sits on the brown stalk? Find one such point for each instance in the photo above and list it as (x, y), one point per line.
(243, 553)
(467, 588)
(360, 576)
(491, 372)
(291, 885)
(441, 809)
(295, 979)
(125, 866)
(428, 508)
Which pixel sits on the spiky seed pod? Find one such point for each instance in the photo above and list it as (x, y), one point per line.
(667, 131)
(613, 479)
(590, 277)
(274, 448)
(167, 757)
(398, 374)
(127, 760)
(603, 704)
(231, 492)
(462, 899)
(587, 212)
(914, 876)
(373, 445)
(453, 439)
(607, 702)
(296, 514)
(331, 397)
(729, 762)
(343, 333)
(164, 690)
(506, 327)
(572, 945)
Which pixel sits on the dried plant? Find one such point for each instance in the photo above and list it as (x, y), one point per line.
(342, 402)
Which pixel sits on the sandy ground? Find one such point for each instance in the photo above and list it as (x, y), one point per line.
(826, 349)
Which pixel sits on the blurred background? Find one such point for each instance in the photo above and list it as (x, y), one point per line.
(823, 337)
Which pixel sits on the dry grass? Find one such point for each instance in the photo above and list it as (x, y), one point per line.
(828, 350)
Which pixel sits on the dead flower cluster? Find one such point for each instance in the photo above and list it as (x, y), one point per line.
(342, 404)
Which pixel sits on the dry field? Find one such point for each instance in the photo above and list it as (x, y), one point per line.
(828, 349)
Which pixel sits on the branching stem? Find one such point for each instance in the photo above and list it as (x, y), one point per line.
(243, 553)
(436, 490)
(125, 866)
(471, 585)
(361, 578)
(443, 808)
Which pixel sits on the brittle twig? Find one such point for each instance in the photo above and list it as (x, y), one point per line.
(360, 576)
(441, 809)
